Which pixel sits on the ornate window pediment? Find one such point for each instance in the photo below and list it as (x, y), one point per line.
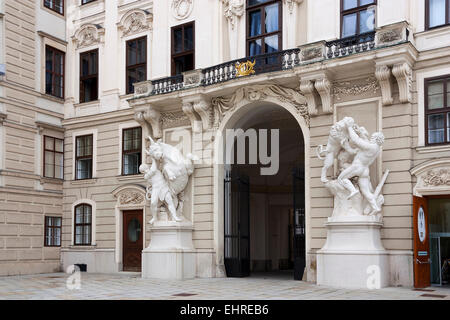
(89, 34)
(130, 196)
(433, 178)
(135, 21)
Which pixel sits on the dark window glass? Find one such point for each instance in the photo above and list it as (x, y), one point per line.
(52, 237)
(53, 158)
(357, 17)
(437, 110)
(89, 76)
(131, 150)
(54, 72)
(264, 27)
(183, 48)
(83, 157)
(87, 1)
(437, 13)
(136, 62)
(83, 224)
(55, 5)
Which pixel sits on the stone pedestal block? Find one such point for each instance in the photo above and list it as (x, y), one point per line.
(170, 254)
(353, 256)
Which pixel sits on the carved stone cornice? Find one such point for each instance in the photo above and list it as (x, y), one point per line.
(403, 74)
(292, 3)
(323, 86)
(383, 75)
(181, 9)
(234, 9)
(135, 21)
(88, 34)
(307, 88)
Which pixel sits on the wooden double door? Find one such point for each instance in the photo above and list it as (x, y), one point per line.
(132, 237)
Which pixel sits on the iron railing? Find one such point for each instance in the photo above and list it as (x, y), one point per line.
(349, 45)
(169, 84)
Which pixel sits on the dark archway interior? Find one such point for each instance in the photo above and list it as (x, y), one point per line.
(271, 196)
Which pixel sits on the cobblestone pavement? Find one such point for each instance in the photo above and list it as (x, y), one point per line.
(132, 286)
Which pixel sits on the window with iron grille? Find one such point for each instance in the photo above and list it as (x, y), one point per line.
(54, 72)
(264, 26)
(89, 76)
(55, 5)
(53, 157)
(357, 17)
(136, 62)
(437, 13)
(437, 110)
(52, 236)
(83, 225)
(131, 150)
(83, 157)
(183, 48)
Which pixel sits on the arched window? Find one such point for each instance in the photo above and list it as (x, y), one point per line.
(83, 225)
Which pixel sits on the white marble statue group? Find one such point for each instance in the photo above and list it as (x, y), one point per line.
(167, 177)
(355, 152)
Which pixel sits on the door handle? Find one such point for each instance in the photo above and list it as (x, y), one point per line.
(420, 262)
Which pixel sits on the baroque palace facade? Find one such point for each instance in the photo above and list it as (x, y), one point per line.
(86, 82)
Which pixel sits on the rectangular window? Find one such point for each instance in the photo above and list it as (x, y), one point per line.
(183, 48)
(54, 72)
(264, 26)
(89, 76)
(55, 5)
(83, 157)
(437, 13)
(357, 17)
(53, 158)
(52, 232)
(136, 62)
(83, 225)
(437, 110)
(131, 150)
(87, 1)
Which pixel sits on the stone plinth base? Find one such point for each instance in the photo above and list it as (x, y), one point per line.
(353, 256)
(170, 254)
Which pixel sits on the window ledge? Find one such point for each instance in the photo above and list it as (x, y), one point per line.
(430, 149)
(51, 180)
(81, 247)
(93, 103)
(52, 98)
(86, 181)
(130, 177)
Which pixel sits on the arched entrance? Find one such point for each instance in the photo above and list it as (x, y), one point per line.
(261, 226)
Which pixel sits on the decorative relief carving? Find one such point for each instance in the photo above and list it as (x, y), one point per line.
(234, 9)
(223, 105)
(170, 118)
(88, 35)
(181, 9)
(135, 21)
(390, 36)
(403, 74)
(433, 177)
(131, 197)
(437, 178)
(312, 53)
(291, 4)
(383, 75)
(353, 88)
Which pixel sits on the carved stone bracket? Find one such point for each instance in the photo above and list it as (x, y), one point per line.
(317, 88)
(194, 118)
(307, 88)
(383, 75)
(323, 86)
(233, 10)
(150, 117)
(403, 74)
(135, 21)
(203, 108)
(88, 34)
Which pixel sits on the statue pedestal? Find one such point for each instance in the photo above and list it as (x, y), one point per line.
(353, 255)
(170, 254)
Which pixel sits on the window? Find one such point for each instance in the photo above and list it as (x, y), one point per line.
(86, 1)
(52, 236)
(83, 225)
(136, 62)
(437, 110)
(89, 76)
(437, 13)
(263, 26)
(131, 150)
(53, 158)
(54, 72)
(357, 17)
(83, 158)
(55, 5)
(183, 48)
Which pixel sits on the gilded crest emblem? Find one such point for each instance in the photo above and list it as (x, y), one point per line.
(245, 68)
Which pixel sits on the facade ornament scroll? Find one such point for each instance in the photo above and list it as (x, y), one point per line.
(223, 105)
(403, 74)
(323, 86)
(88, 34)
(135, 21)
(292, 3)
(193, 117)
(181, 9)
(234, 9)
(130, 196)
(307, 88)
(363, 86)
(383, 75)
(433, 177)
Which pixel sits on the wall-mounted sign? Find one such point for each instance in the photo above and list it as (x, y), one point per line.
(421, 228)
